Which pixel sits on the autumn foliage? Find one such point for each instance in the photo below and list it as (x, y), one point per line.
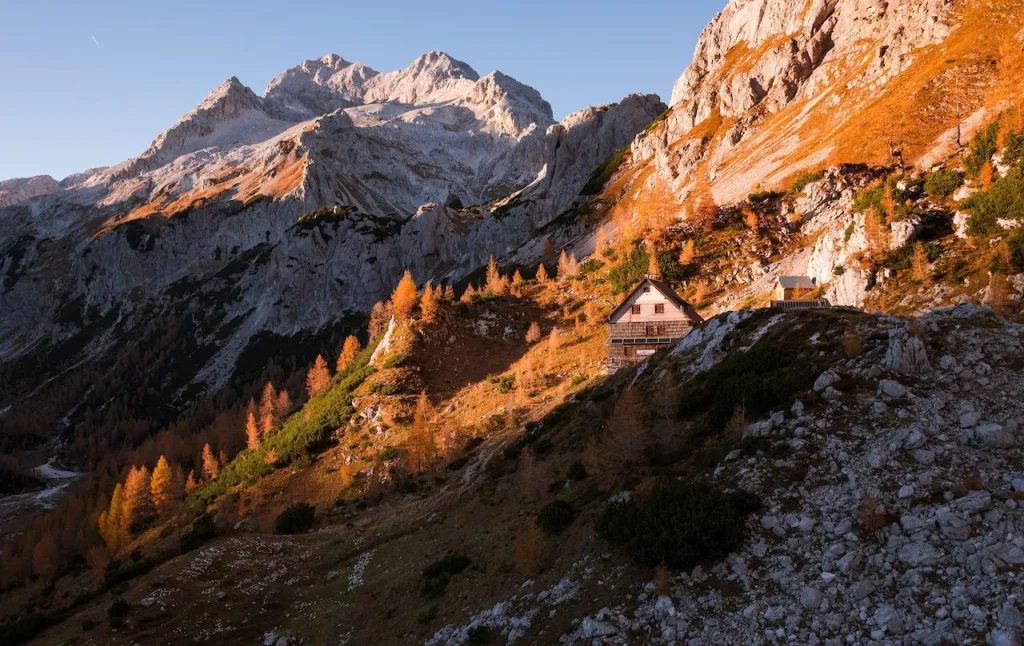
(405, 297)
(318, 377)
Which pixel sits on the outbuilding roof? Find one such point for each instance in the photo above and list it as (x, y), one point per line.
(796, 282)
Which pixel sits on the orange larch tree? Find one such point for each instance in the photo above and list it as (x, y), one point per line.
(138, 503)
(161, 486)
(268, 408)
(405, 296)
(318, 377)
(349, 351)
(211, 467)
(428, 304)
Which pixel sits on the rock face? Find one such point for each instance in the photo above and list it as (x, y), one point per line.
(381, 163)
(774, 75)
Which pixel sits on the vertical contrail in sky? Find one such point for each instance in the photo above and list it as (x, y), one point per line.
(95, 41)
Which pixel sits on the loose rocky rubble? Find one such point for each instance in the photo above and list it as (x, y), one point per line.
(895, 517)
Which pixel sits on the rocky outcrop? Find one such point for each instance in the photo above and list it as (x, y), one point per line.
(758, 58)
(17, 190)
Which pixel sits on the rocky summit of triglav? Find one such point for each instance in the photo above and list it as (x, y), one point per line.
(289, 209)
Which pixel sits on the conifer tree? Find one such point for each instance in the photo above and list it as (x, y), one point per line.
(178, 482)
(703, 204)
(111, 521)
(449, 293)
(252, 430)
(161, 487)
(268, 409)
(379, 317)
(549, 251)
(533, 334)
(283, 405)
(428, 304)
(211, 467)
(653, 267)
(467, 296)
(318, 377)
(687, 255)
(987, 176)
(349, 351)
(138, 502)
(496, 283)
(423, 447)
(542, 275)
(404, 298)
(750, 219)
(191, 484)
(567, 266)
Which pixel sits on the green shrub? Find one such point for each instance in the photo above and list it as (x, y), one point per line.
(983, 146)
(295, 519)
(117, 611)
(383, 388)
(801, 182)
(555, 516)
(395, 361)
(679, 524)
(505, 383)
(763, 196)
(480, 635)
(576, 471)
(427, 616)
(579, 379)
(202, 531)
(1004, 201)
(603, 173)
(873, 196)
(625, 275)
(591, 265)
(458, 463)
(761, 379)
(450, 564)
(438, 574)
(850, 229)
(943, 183)
(1014, 152)
(1016, 245)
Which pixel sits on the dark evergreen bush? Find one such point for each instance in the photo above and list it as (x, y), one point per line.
(555, 516)
(679, 524)
(943, 183)
(202, 531)
(295, 519)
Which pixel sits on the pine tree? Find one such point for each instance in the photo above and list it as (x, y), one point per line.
(568, 266)
(111, 521)
(268, 409)
(449, 293)
(542, 275)
(549, 251)
(874, 230)
(423, 447)
(191, 484)
(687, 255)
(379, 317)
(428, 304)
(496, 283)
(252, 431)
(703, 201)
(349, 351)
(211, 467)
(404, 298)
(161, 486)
(517, 283)
(318, 377)
(178, 483)
(533, 334)
(750, 219)
(889, 202)
(919, 264)
(283, 405)
(987, 176)
(653, 266)
(138, 503)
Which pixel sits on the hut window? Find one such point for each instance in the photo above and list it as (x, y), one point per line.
(636, 309)
(659, 308)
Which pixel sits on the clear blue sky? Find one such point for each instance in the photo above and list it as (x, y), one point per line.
(68, 103)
